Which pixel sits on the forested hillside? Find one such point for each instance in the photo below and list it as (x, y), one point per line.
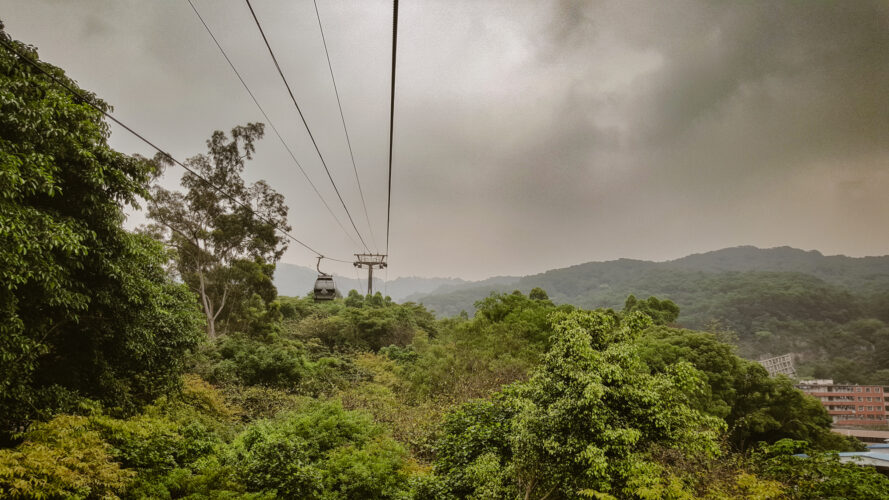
(830, 311)
(163, 364)
(607, 283)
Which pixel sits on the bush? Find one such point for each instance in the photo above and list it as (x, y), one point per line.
(244, 360)
(62, 458)
(321, 452)
(153, 443)
(816, 475)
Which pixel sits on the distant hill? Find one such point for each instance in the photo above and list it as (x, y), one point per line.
(296, 281)
(862, 274)
(692, 281)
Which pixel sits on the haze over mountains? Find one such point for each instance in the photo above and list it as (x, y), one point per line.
(606, 284)
(296, 281)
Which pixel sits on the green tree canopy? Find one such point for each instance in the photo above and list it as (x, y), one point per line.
(756, 407)
(583, 424)
(661, 312)
(226, 249)
(86, 308)
(323, 452)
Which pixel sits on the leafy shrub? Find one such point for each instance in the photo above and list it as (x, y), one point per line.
(817, 475)
(241, 359)
(206, 479)
(62, 458)
(154, 443)
(472, 436)
(321, 452)
(374, 470)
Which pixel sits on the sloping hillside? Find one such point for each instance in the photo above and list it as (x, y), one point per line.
(690, 281)
(775, 300)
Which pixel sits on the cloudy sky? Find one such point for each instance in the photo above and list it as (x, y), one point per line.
(529, 134)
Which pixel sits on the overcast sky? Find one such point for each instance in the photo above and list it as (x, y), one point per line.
(530, 135)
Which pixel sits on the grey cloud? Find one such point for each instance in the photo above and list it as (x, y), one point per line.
(529, 135)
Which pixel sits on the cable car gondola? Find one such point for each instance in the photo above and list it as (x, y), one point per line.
(325, 288)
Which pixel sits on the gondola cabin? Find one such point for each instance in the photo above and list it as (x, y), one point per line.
(325, 289)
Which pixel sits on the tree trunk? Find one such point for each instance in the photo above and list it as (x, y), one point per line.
(207, 306)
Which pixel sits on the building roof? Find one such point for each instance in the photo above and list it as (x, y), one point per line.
(862, 433)
(877, 459)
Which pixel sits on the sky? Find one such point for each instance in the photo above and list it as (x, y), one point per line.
(529, 135)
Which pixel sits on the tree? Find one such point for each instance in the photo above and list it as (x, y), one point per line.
(320, 452)
(86, 308)
(661, 312)
(584, 424)
(226, 249)
(756, 407)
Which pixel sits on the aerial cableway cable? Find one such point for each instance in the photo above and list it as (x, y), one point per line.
(305, 124)
(391, 115)
(271, 124)
(9, 47)
(343, 120)
(269, 120)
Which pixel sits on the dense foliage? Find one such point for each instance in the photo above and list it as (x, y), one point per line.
(226, 243)
(86, 308)
(829, 311)
(599, 405)
(756, 407)
(584, 422)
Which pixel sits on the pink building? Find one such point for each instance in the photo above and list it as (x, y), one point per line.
(848, 404)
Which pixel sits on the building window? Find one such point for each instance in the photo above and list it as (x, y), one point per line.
(860, 398)
(870, 408)
(867, 389)
(860, 408)
(858, 389)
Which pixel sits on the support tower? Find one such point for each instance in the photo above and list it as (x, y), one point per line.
(370, 261)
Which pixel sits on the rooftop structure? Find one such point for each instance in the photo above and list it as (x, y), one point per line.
(871, 436)
(779, 365)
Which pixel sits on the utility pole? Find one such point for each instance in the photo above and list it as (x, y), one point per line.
(370, 261)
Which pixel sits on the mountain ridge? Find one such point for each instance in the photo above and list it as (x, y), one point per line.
(869, 274)
(607, 283)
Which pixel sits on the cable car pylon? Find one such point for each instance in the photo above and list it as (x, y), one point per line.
(370, 261)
